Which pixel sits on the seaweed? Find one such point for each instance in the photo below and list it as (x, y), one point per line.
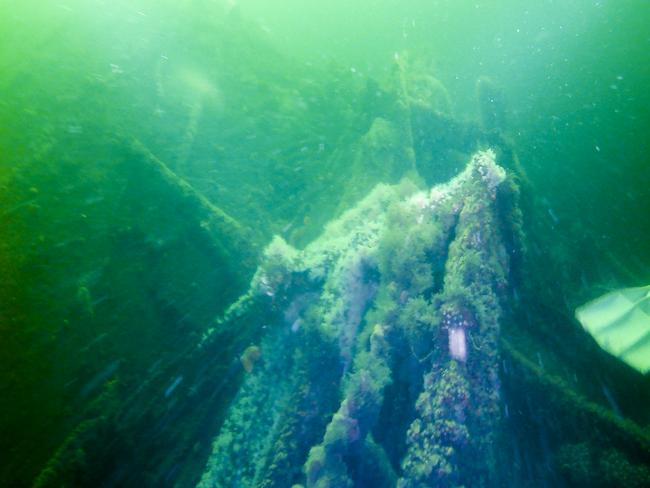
(367, 288)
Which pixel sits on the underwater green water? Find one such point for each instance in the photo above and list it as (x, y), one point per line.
(151, 150)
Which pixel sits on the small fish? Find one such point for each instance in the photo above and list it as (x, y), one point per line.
(94, 199)
(99, 300)
(96, 340)
(100, 378)
(296, 325)
(154, 366)
(612, 401)
(170, 389)
(19, 206)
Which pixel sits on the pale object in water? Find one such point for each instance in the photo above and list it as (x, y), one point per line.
(457, 344)
(620, 323)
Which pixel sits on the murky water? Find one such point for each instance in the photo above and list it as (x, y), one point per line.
(202, 282)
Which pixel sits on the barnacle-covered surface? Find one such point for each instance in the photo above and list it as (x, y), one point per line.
(376, 301)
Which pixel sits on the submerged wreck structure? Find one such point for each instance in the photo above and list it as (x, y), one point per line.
(394, 349)
(405, 327)
(379, 355)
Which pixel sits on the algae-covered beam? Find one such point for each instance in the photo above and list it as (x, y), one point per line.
(176, 261)
(552, 393)
(231, 239)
